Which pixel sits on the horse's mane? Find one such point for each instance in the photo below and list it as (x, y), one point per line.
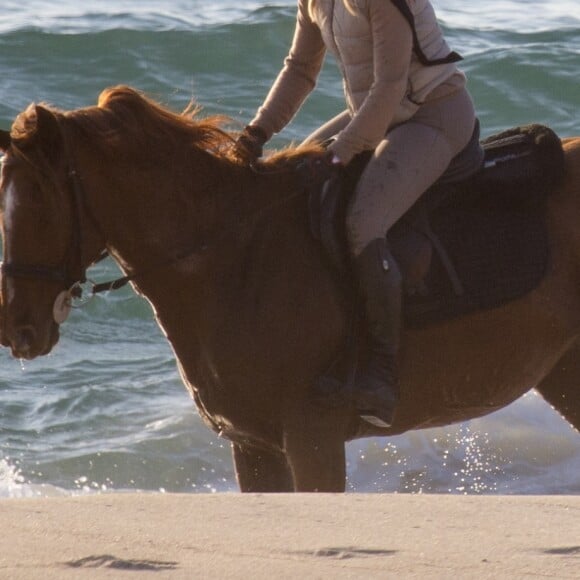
(123, 113)
(141, 117)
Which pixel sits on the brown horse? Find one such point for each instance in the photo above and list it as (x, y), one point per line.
(242, 291)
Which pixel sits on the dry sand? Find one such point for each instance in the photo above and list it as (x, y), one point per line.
(161, 536)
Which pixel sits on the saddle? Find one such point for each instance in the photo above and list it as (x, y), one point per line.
(476, 239)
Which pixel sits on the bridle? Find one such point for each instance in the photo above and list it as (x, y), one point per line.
(71, 272)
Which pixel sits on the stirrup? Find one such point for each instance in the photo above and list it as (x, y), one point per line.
(376, 404)
(382, 422)
(380, 415)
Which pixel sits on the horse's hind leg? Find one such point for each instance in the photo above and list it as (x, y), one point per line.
(262, 471)
(561, 388)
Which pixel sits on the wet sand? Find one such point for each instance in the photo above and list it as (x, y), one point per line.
(221, 536)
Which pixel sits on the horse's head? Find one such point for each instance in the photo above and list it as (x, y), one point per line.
(40, 238)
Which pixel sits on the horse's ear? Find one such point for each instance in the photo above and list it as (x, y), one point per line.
(47, 129)
(37, 127)
(4, 140)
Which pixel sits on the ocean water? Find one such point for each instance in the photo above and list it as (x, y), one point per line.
(106, 411)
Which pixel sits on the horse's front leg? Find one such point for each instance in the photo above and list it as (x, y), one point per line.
(261, 471)
(314, 441)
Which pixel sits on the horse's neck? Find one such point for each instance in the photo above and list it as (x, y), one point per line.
(150, 213)
(153, 217)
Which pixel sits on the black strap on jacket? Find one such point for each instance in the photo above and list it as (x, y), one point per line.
(406, 12)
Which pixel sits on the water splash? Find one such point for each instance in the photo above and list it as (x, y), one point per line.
(459, 461)
(479, 465)
(10, 478)
(13, 484)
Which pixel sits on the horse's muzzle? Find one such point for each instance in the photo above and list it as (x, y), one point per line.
(27, 342)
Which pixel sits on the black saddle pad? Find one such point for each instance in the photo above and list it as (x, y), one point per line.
(498, 256)
(492, 227)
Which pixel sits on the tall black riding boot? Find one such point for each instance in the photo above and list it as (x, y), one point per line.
(377, 385)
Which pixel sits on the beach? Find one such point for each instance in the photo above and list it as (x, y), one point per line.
(282, 536)
(107, 410)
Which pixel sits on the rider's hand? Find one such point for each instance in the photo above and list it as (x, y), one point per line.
(250, 144)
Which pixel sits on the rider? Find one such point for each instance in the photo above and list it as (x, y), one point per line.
(406, 101)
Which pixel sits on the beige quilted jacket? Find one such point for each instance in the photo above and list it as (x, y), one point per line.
(384, 83)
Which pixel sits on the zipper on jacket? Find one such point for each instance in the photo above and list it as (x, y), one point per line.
(340, 58)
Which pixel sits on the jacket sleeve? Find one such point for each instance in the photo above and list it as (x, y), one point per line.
(392, 52)
(297, 78)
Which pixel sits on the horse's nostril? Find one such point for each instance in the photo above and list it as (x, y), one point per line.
(23, 340)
